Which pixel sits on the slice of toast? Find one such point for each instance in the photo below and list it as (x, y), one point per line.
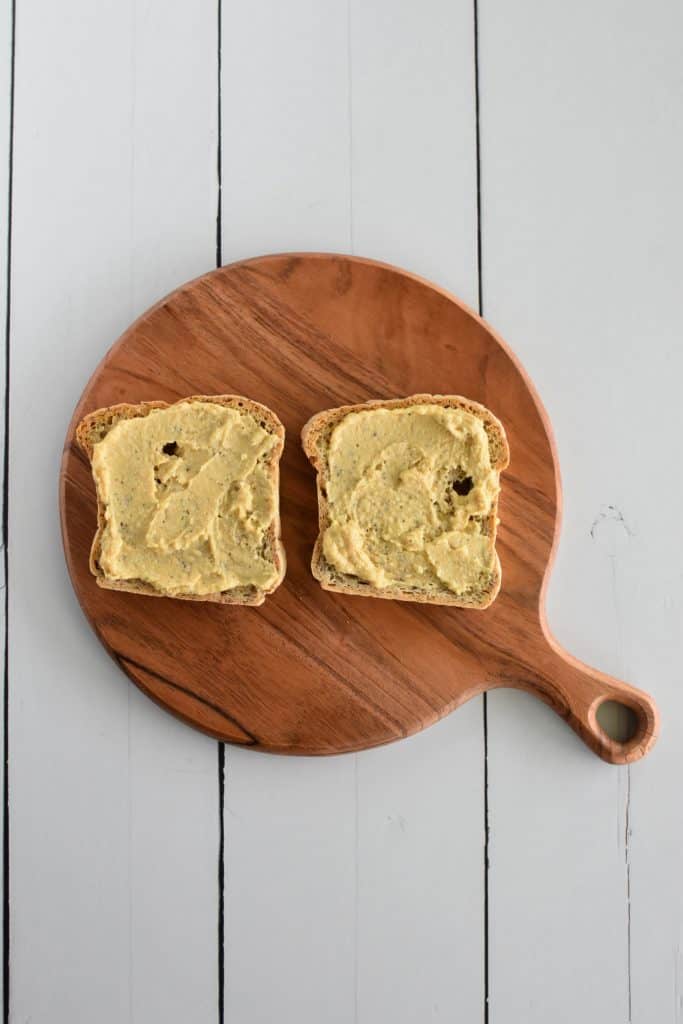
(442, 500)
(96, 426)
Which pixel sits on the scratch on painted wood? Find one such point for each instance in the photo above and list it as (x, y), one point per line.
(397, 821)
(609, 530)
(609, 514)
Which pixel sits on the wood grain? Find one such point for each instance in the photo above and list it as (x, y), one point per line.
(312, 672)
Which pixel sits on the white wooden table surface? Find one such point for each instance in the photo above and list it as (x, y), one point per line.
(527, 154)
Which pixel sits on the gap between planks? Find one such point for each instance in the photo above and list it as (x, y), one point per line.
(5, 536)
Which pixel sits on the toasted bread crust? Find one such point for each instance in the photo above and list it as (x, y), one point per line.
(315, 438)
(96, 425)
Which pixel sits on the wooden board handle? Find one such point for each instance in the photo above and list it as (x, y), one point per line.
(577, 693)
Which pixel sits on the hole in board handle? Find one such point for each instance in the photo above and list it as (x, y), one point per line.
(618, 721)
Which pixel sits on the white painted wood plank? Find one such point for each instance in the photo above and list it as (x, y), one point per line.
(414, 138)
(421, 875)
(642, 556)
(114, 824)
(5, 150)
(420, 802)
(354, 887)
(290, 838)
(285, 132)
(289, 889)
(582, 219)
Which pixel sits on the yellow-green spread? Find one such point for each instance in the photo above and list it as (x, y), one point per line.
(188, 499)
(409, 491)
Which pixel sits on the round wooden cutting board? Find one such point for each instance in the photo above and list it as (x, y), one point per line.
(310, 672)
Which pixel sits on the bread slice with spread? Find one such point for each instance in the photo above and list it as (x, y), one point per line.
(408, 499)
(187, 498)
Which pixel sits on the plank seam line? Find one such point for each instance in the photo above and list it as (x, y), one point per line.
(219, 151)
(221, 746)
(221, 883)
(5, 535)
(349, 78)
(480, 304)
(627, 855)
(480, 282)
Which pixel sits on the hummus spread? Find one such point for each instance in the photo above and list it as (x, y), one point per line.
(188, 499)
(409, 490)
